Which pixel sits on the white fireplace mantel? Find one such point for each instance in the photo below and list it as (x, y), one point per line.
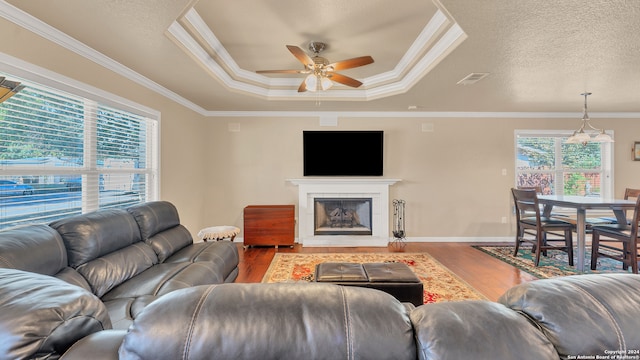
(375, 188)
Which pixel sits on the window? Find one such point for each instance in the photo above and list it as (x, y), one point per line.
(545, 159)
(63, 154)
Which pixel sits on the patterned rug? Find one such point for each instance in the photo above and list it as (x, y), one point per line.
(440, 284)
(556, 262)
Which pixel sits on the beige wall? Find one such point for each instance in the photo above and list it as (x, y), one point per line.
(451, 178)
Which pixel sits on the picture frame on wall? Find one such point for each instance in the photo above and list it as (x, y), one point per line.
(636, 151)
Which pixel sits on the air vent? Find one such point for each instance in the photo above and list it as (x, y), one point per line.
(472, 78)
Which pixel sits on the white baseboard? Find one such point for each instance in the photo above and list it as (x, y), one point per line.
(488, 239)
(454, 239)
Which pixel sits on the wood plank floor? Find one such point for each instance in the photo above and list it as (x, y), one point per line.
(486, 274)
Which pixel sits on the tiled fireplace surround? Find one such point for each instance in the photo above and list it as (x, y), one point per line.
(375, 188)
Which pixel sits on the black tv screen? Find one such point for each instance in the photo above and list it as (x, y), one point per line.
(343, 153)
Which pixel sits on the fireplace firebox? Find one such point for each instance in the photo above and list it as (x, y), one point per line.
(342, 216)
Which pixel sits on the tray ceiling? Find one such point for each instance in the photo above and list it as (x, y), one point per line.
(539, 55)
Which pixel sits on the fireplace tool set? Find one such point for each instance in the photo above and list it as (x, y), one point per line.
(398, 222)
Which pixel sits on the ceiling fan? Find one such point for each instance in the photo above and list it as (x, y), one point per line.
(321, 72)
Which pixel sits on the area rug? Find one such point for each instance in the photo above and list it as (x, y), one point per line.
(556, 262)
(440, 284)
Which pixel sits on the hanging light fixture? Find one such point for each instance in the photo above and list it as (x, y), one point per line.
(326, 83)
(315, 82)
(8, 88)
(311, 82)
(581, 137)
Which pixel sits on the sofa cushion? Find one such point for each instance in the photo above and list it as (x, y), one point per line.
(271, 321)
(43, 316)
(582, 314)
(124, 310)
(105, 247)
(222, 254)
(111, 270)
(154, 216)
(476, 330)
(71, 276)
(35, 248)
(95, 234)
(164, 278)
(160, 227)
(170, 241)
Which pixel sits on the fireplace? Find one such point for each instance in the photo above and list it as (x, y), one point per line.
(376, 189)
(342, 216)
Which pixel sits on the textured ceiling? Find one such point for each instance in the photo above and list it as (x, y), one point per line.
(540, 54)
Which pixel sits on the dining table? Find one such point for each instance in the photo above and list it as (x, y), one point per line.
(581, 204)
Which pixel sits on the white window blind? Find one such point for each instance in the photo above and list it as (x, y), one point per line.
(62, 154)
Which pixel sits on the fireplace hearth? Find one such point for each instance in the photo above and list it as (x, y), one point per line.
(342, 216)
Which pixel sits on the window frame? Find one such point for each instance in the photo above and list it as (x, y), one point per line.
(606, 160)
(93, 96)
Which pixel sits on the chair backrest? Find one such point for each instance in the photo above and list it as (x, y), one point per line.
(526, 200)
(538, 189)
(636, 219)
(631, 193)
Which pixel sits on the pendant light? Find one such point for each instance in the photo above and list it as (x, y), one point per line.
(587, 132)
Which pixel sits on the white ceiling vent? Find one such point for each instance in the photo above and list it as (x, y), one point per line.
(472, 78)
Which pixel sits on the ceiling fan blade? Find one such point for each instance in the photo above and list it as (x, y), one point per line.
(303, 86)
(345, 80)
(281, 71)
(302, 56)
(351, 63)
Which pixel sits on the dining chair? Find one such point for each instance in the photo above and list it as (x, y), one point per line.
(629, 194)
(620, 242)
(538, 190)
(533, 228)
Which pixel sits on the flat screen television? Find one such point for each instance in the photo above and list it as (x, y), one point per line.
(343, 153)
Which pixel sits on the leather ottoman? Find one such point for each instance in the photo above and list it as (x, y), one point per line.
(395, 279)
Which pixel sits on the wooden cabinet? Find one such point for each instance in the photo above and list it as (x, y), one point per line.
(269, 225)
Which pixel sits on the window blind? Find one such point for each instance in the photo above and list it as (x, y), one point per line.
(63, 154)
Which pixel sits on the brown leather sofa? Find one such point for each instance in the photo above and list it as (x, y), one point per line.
(563, 318)
(127, 258)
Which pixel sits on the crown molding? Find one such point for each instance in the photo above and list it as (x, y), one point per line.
(46, 31)
(37, 74)
(423, 114)
(437, 24)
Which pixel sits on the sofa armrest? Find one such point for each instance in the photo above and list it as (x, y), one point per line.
(593, 314)
(476, 330)
(43, 316)
(102, 345)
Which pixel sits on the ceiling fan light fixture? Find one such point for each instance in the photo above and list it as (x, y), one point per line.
(321, 72)
(8, 88)
(326, 83)
(311, 82)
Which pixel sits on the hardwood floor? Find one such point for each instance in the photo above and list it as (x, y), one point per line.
(486, 274)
